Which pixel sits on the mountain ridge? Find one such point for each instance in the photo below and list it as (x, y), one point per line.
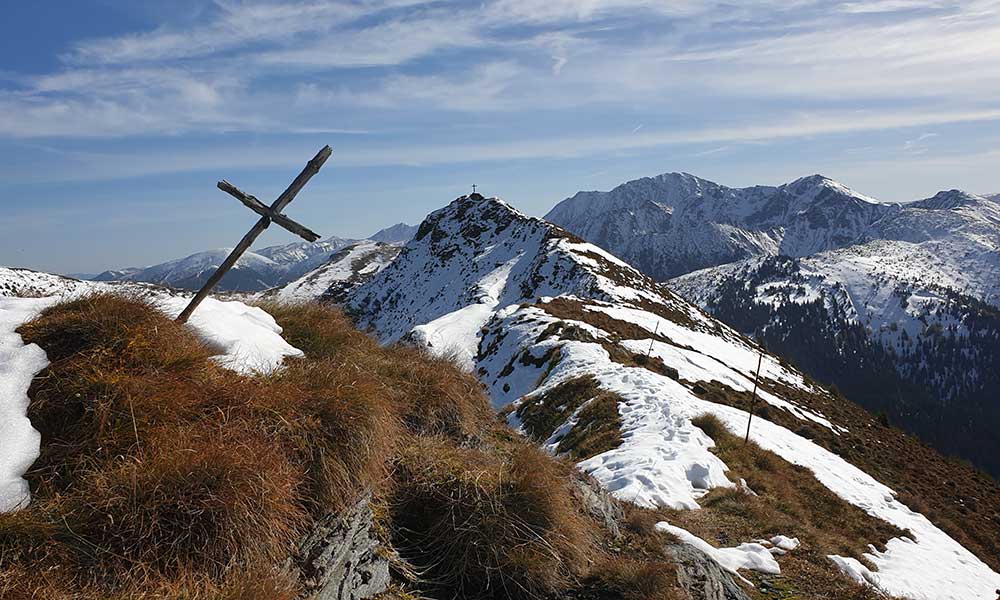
(676, 223)
(877, 281)
(537, 312)
(256, 270)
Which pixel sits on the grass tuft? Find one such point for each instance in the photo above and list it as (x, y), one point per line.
(488, 525)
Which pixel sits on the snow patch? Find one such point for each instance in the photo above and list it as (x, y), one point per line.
(19, 363)
(248, 338)
(749, 555)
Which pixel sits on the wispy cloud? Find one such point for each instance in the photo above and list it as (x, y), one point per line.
(305, 67)
(91, 166)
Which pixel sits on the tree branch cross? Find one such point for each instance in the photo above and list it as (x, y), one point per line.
(267, 215)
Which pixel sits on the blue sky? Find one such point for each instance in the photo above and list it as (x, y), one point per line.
(117, 117)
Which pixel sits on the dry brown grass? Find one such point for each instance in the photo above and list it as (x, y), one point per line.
(598, 426)
(790, 501)
(625, 578)
(165, 476)
(482, 525)
(160, 470)
(430, 394)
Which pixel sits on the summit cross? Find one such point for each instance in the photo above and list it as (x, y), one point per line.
(267, 215)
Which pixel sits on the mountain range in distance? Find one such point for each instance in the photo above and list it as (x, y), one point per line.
(256, 270)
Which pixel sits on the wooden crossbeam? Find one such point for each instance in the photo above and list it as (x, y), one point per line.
(267, 214)
(264, 210)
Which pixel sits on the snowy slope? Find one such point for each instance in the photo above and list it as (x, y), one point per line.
(897, 287)
(342, 272)
(529, 308)
(19, 442)
(477, 255)
(399, 234)
(925, 309)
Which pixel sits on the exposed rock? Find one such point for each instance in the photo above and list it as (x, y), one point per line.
(340, 559)
(702, 577)
(600, 505)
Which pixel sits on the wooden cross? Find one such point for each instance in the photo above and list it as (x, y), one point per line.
(473, 188)
(267, 214)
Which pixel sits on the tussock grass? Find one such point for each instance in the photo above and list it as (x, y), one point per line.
(598, 426)
(430, 394)
(163, 475)
(632, 579)
(789, 501)
(160, 470)
(482, 525)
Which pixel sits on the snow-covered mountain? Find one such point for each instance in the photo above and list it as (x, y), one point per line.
(865, 282)
(676, 223)
(602, 364)
(257, 270)
(881, 322)
(907, 324)
(342, 272)
(400, 233)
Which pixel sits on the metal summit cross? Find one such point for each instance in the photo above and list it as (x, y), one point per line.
(267, 214)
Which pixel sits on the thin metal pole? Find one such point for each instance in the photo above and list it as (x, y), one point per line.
(753, 400)
(655, 331)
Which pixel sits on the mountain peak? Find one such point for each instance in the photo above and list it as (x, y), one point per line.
(947, 200)
(400, 233)
(813, 186)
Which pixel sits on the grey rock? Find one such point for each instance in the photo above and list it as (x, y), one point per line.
(600, 505)
(702, 577)
(340, 559)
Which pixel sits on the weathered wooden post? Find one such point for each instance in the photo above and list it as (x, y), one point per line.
(267, 214)
(753, 399)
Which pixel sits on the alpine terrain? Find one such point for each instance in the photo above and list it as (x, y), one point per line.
(895, 304)
(146, 458)
(600, 364)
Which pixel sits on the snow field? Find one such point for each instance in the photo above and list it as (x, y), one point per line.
(665, 461)
(247, 338)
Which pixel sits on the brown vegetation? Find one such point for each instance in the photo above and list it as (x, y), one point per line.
(617, 330)
(789, 501)
(598, 425)
(960, 499)
(165, 476)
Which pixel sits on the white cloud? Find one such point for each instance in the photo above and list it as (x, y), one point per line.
(390, 43)
(215, 157)
(914, 57)
(231, 25)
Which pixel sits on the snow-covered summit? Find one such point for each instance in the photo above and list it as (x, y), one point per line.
(477, 255)
(676, 223)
